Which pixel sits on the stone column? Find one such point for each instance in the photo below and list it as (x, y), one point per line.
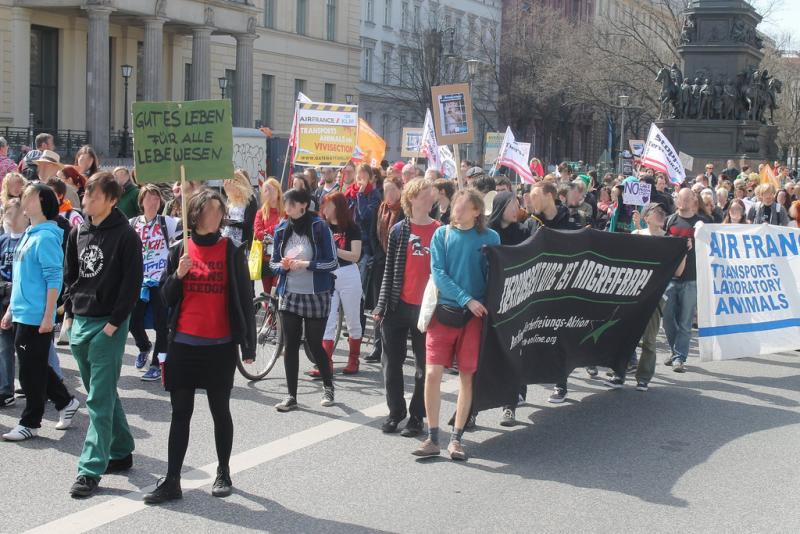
(243, 112)
(21, 79)
(152, 70)
(201, 63)
(97, 72)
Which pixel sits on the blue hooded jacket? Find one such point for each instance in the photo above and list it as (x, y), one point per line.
(38, 266)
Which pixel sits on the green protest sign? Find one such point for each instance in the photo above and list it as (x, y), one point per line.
(197, 135)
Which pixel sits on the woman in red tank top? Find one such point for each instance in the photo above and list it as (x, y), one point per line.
(207, 288)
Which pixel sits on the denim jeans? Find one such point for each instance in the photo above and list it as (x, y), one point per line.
(53, 361)
(7, 356)
(678, 314)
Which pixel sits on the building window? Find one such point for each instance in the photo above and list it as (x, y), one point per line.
(330, 92)
(139, 71)
(299, 87)
(368, 117)
(387, 13)
(330, 20)
(302, 15)
(269, 14)
(385, 125)
(370, 7)
(44, 77)
(187, 81)
(267, 98)
(417, 17)
(230, 89)
(387, 67)
(403, 67)
(404, 16)
(368, 54)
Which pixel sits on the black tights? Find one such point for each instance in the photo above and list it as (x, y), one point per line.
(182, 408)
(292, 325)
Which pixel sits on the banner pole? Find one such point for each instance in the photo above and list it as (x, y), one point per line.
(183, 208)
(289, 145)
(457, 158)
(413, 162)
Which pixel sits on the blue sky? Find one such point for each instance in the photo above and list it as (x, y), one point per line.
(785, 18)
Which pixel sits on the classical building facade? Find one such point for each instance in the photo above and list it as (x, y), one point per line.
(393, 32)
(62, 59)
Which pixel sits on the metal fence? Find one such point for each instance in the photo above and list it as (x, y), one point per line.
(67, 141)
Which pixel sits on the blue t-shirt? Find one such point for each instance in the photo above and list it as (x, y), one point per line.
(460, 268)
(8, 244)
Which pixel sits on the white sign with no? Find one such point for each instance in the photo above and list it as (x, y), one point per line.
(636, 194)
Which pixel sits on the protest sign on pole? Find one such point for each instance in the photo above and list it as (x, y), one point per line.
(326, 134)
(412, 139)
(568, 299)
(197, 134)
(448, 162)
(661, 156)
(491, 147)
(292, 136)
(371, 147)
(514, 155)
(748, 290)
(452, 114)
(429, 147)
(180, 139)
(637, 147)
(686, 160)
(636, 193)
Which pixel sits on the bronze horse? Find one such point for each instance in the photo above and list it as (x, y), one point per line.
(669, 93)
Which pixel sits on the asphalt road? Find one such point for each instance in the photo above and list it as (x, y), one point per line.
(713, 450)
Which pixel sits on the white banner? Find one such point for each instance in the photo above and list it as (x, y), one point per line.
(748, 296)
(515, 155)
(428, 145)
(660, 155)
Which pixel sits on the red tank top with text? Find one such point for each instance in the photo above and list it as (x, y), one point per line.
(204, 310)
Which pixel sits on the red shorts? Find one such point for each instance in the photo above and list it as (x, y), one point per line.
(444, 344)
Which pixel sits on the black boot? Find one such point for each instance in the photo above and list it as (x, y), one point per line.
(167, 489)
(377, 351)
(222, 485)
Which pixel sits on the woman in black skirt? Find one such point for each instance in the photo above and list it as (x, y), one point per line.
(207, 288)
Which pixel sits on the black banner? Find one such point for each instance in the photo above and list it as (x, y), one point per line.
(568, 299)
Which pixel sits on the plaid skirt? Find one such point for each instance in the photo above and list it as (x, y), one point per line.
(310, 306)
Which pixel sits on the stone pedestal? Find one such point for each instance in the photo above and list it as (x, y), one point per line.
(718, 141)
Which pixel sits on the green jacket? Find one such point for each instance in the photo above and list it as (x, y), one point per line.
(129, 201)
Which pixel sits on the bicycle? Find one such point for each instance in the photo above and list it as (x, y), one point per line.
(269, 338)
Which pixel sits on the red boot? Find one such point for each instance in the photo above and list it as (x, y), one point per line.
(352, 359)
(327, 344)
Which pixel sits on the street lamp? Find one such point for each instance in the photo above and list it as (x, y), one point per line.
(127, 70)
(623, 103)
(223, 83)
(348, 99)
(472, 67)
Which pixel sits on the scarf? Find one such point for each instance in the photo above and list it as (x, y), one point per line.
(65, 206)
(388, 215)
(206, 240)
(301, 225)
(352, 191)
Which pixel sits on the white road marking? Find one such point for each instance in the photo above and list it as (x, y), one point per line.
(117, 508)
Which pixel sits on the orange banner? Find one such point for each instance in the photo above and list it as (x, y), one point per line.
(371, 147)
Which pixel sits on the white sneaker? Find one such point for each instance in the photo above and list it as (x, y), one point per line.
(20, 433)
(65, 416)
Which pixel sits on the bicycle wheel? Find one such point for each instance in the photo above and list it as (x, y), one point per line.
(269, 343)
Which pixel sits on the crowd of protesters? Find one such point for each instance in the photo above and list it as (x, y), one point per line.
(92, 255)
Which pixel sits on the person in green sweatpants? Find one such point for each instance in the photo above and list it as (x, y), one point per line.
(99, 360)
(103, 277)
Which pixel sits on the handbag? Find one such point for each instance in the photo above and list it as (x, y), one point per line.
(453, 316)
(255, 259)
(431, 296)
